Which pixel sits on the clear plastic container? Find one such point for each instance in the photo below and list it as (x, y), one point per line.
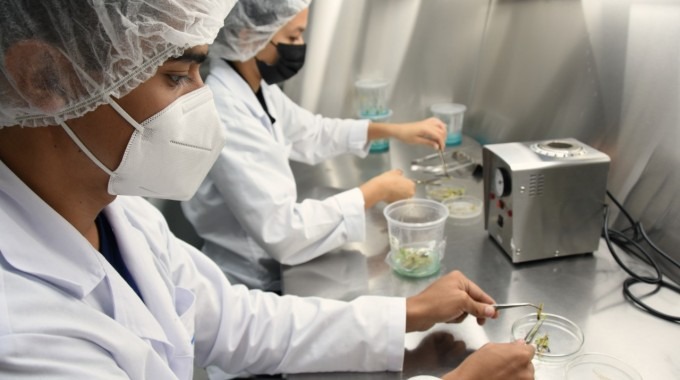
(380, 145)
(371, 98)
(595, 366)
(452, 115)
(416, 233)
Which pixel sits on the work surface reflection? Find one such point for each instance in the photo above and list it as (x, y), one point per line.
(586, 289)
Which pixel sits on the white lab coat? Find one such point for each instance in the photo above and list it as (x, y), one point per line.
(65, 313)
(246, 210)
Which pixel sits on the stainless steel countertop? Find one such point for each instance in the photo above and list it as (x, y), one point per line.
(585, 289)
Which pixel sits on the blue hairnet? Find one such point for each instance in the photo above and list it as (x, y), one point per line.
(109, 47)
(251, 24)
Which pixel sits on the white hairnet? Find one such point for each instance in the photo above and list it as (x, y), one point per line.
(251, 24)
(109, 48)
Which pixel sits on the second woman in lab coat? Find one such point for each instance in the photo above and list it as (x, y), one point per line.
(247, 210)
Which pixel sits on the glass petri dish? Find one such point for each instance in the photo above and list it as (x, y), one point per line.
(443, 189)
(463, 207)
(564, 337)
(596, 366)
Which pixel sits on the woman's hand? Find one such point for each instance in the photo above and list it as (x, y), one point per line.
(497, 361)
(430, 132)
(449, 299)
(390, 187)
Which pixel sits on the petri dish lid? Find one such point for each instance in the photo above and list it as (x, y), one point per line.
(564, 336)
(596, 366)
(463, 207)
(447, 108)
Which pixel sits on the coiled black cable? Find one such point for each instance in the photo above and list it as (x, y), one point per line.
(632, 246)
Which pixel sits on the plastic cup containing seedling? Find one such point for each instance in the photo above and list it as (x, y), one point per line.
(416, 234)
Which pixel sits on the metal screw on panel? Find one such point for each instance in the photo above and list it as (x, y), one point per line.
(557, 253)
(517, 252)
(521, 189)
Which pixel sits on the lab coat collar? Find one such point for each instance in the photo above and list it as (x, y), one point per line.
(58, 254)
(39, 241)
(155, 289)
(237, 85)
(144, 318)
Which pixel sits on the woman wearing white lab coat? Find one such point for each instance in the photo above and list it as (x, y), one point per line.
(92, 283)
(66, 313)
(247, 211)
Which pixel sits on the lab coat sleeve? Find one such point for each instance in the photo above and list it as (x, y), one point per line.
(253, 176)
(28, 356)
(250, 331)
(315, 138)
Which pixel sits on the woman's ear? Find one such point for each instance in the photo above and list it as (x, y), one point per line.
(41, 73)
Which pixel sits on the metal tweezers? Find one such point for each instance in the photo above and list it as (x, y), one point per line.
(501, 306)
(441, 157)
(433, 162)
(534, 330)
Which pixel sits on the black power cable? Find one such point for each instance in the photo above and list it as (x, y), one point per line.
(632, 246)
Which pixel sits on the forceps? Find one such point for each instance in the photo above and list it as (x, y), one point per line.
(501, 306)
(441, 157)
(534, 330)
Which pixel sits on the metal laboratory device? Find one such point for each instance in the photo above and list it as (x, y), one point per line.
(544, 199)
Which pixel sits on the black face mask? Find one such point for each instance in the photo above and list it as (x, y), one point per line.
(291, 59)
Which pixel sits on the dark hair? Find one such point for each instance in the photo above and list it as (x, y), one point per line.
(46, 20)
(255, 12)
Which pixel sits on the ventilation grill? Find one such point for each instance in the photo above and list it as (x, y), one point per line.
(536, 182)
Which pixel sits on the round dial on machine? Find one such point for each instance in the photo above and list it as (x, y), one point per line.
(501, 182)
(558, 149)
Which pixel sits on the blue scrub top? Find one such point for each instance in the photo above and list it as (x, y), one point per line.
(108, 247)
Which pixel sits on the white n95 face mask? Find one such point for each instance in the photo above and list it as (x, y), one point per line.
(170, 153)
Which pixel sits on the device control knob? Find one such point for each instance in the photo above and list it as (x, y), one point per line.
(501, 182)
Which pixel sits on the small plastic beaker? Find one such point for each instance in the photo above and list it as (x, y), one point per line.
(416, 233)
(452, 115)
(380, 145)
(371, 98)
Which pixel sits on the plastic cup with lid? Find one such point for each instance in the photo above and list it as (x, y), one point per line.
(371, 98)
(380, 145)
(452, 115)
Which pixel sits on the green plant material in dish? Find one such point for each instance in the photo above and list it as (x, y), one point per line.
(445, 192)
(542, 344)
(413, 259)
(539, 314)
